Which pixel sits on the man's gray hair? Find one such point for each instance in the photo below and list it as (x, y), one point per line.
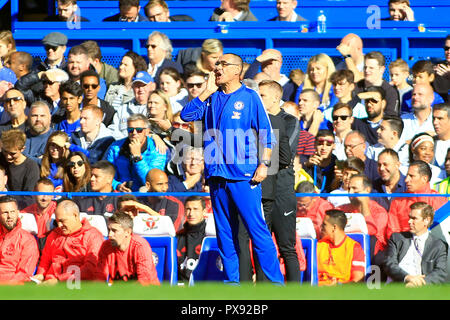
(139, 117)
(166, 43)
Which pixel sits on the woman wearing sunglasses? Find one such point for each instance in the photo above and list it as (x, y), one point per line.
(77, 173)
(54, 157)
(171, 83)
(121, 92)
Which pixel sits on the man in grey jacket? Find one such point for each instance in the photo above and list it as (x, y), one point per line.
(417, 257)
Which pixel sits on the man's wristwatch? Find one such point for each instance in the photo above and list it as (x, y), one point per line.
(347, 56)
(266, 163)
(136, 158)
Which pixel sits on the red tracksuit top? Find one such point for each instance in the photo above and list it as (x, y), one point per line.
(19, 254)
(376, 222)
(135, 263)
(42, 220)
(399, 211)
(79, 248)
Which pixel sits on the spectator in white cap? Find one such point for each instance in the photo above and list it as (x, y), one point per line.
(55, 44)
(52, 79)
(143, 84)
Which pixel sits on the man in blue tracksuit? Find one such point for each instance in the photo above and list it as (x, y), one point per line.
(234, 123)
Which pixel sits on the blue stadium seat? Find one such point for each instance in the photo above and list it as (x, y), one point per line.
(160, 234)
(305, 230)
(209, 266)
(165, 257)
(310, 275)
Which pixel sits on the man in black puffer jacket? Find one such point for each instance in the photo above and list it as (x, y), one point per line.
(190, 238)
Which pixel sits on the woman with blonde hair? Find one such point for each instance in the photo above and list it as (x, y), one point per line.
(7, 47)
(212, 50)
(318, 72)
(54, 157)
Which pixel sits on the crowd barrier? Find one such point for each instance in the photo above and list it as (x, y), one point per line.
(161, 235)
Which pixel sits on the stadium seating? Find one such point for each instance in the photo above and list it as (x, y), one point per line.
(96, 221)
(305, 230)
(28, 222)
(209, 266)
(160, 234)
(356, 229)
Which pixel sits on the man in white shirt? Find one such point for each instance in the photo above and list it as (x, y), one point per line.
(389, 133)
(416, 257)
(421, 119)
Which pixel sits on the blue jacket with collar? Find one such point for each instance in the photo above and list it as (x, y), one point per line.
(233, 125)
(127, 170)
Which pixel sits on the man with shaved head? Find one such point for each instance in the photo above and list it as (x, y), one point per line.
(421, 119)
(70, 248)
(236, 127)
(270, 62)
(157, 181)
(353, 58)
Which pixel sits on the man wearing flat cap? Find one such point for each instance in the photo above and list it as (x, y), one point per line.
(375, 102)
(55, 44)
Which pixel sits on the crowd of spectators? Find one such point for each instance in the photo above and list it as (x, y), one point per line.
(72, 123)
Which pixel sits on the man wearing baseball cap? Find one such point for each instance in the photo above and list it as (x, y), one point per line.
(55, 44)
(375, 102)
(143, 84)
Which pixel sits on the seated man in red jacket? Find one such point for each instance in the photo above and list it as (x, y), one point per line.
(42, 209)
(19, 252)
(125, 256)
(417, 182)
(374, 214)
(312, 207)
(74, 243)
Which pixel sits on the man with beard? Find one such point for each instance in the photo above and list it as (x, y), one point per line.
(42, 209)
(421, 119)
(375, 102)
(125, 256)
(157, 181)
(38, 131)
(374, 214)
(18, 248)
(391, 180)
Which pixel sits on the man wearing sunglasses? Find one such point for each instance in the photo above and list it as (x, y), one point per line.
(55, 45)
(159, 53)
(228, 106)
(375, 102)
(135, 155)
(90, 82)
(15, 105)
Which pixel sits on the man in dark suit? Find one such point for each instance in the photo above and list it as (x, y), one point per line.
(416, 257)
(159, 51)
(286, 11)
(129, 12)
(158, 11)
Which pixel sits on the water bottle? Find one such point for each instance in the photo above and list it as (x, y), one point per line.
(321, 22)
